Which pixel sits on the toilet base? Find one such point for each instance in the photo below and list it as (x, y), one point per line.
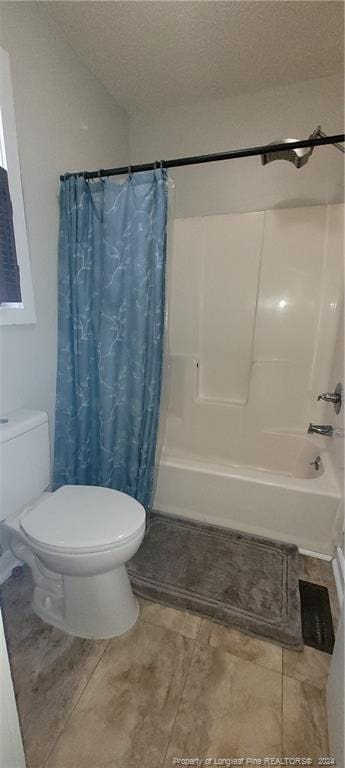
(93, 607)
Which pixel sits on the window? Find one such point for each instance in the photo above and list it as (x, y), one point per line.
(10, 292)
(16, 295)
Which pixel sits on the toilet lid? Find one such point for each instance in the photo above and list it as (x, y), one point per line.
(83, 517)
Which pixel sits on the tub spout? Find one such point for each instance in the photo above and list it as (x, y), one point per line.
(321, 429)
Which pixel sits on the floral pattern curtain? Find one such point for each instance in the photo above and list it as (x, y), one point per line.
(111, 296)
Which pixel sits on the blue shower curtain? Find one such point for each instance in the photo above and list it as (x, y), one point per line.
(111, 297)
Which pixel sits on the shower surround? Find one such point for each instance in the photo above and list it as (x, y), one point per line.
(255, 303)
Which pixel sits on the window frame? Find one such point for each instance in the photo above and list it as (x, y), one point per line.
(25, 312)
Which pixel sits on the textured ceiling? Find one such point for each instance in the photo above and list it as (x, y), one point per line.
(156, 54)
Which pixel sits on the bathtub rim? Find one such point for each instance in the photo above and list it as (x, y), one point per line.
(325, 485)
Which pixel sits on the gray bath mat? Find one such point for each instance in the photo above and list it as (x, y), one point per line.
(233, 578)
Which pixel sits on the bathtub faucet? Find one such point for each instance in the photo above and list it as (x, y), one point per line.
(330, 397)
(321, 429)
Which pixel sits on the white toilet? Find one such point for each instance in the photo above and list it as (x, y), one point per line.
(76, 540)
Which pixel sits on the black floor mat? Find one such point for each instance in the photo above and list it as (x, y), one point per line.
(317, 624)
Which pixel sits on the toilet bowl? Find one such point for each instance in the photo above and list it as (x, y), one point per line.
(76, 542)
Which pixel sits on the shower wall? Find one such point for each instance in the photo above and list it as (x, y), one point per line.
(254, 311)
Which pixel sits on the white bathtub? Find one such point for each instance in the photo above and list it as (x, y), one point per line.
(305, 511)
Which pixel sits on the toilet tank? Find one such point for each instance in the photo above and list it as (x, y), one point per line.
(24, 459)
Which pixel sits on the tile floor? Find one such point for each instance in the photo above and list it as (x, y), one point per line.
(175, 686)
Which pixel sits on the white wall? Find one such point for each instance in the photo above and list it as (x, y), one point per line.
(255, 300)
(335, 696)
(301, 262)
(65, 121)
(251, 119)
(11, 745)
(338, 421)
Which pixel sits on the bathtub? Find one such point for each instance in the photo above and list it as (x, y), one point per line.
(303, 509)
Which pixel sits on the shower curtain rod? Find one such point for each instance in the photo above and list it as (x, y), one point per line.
(216, 157)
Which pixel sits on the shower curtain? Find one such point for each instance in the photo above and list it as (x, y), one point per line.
(111, 301)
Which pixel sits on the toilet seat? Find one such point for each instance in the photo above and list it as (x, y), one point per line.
(83, 519)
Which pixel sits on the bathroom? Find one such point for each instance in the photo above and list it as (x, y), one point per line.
(254, 277)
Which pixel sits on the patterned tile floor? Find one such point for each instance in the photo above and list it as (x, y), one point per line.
(176, 686)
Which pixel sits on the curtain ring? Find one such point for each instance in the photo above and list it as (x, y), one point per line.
(130, 171)
(155, 165)
(99, 173)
